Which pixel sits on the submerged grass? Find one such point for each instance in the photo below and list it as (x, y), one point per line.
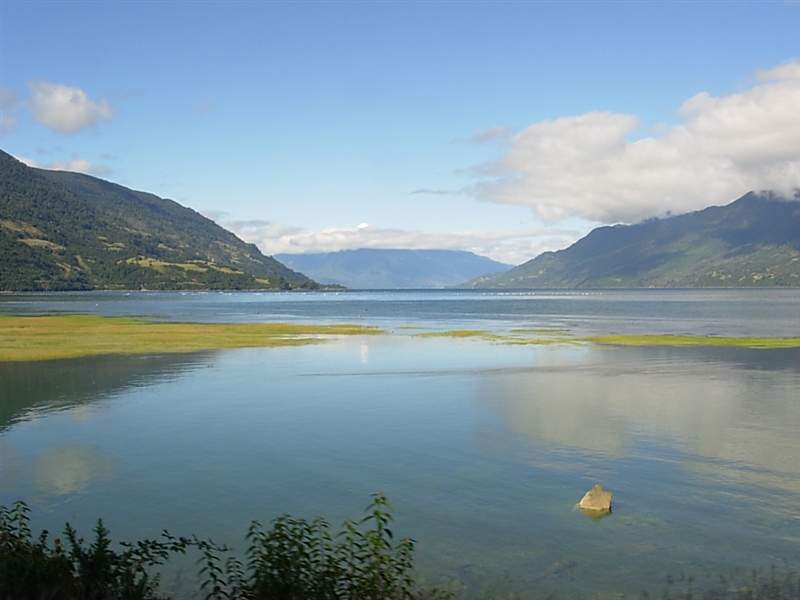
(684, 340)
(461, 333)
(555, 336)
(73, 336)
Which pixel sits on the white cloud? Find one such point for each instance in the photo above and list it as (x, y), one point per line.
(508, 246)
(586, 166)
(75, 164)
(66, 109)
(492, 134)
(8, 110)
(436, 192)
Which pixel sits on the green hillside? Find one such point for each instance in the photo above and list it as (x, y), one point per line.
(754, 241)
(68, 231)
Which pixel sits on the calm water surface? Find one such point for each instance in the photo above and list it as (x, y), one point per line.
(483, 449)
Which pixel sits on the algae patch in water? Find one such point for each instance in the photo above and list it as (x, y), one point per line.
(71, 336)
(684, 340)
(555, 336)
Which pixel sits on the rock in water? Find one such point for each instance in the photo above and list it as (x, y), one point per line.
(596, 499)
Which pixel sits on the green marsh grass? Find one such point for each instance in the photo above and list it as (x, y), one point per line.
(684, 340)
(557, 336)
(72, 336)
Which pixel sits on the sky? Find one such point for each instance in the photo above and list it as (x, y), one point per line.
(506, 128)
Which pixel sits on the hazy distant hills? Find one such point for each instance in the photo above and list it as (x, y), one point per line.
(754, 241)
(68, 231)
(393, 269)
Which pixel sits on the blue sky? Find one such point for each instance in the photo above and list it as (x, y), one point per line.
(504, 128)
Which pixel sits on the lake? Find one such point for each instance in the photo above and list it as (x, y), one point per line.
(483, 448)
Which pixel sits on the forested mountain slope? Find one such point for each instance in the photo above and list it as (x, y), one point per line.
(754, 241)
(67, 231)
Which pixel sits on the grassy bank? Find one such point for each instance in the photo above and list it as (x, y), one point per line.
(72, 336)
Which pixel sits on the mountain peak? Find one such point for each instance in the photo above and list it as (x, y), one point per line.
(753, 241)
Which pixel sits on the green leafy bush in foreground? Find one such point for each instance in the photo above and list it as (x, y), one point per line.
(294, 560)
(31, 569)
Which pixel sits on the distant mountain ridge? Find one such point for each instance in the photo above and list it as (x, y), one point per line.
(753, 241)
(368, 268)
(68, 231)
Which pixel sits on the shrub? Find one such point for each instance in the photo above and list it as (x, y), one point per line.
(302, 560)
(32, 569)
(294, 560)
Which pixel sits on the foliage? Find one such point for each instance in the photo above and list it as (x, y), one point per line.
(69, 231)
(31, 569)
(294, 560)
(302, 560)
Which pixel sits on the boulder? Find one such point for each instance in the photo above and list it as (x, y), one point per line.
(597, 500)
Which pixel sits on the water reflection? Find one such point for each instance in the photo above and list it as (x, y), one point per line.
(31, 388)
(69, 469)
(595, 515)
(742, 413)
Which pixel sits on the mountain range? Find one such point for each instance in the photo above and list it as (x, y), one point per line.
(393, 269)
(68, 231)
(751, 242)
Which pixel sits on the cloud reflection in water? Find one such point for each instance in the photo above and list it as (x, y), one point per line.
(744, 418)
(69, 469)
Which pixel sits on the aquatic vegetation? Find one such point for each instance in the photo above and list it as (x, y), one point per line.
(556, 336)
(518, 336)
(755, 584)
(543, 331)
(29, 338)
(461, 333)
(684, 340)
(71, 336)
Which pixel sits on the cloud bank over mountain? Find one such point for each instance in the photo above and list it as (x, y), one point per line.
(509, 246)
(75, 164)
(594, 166)
(600, 167)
